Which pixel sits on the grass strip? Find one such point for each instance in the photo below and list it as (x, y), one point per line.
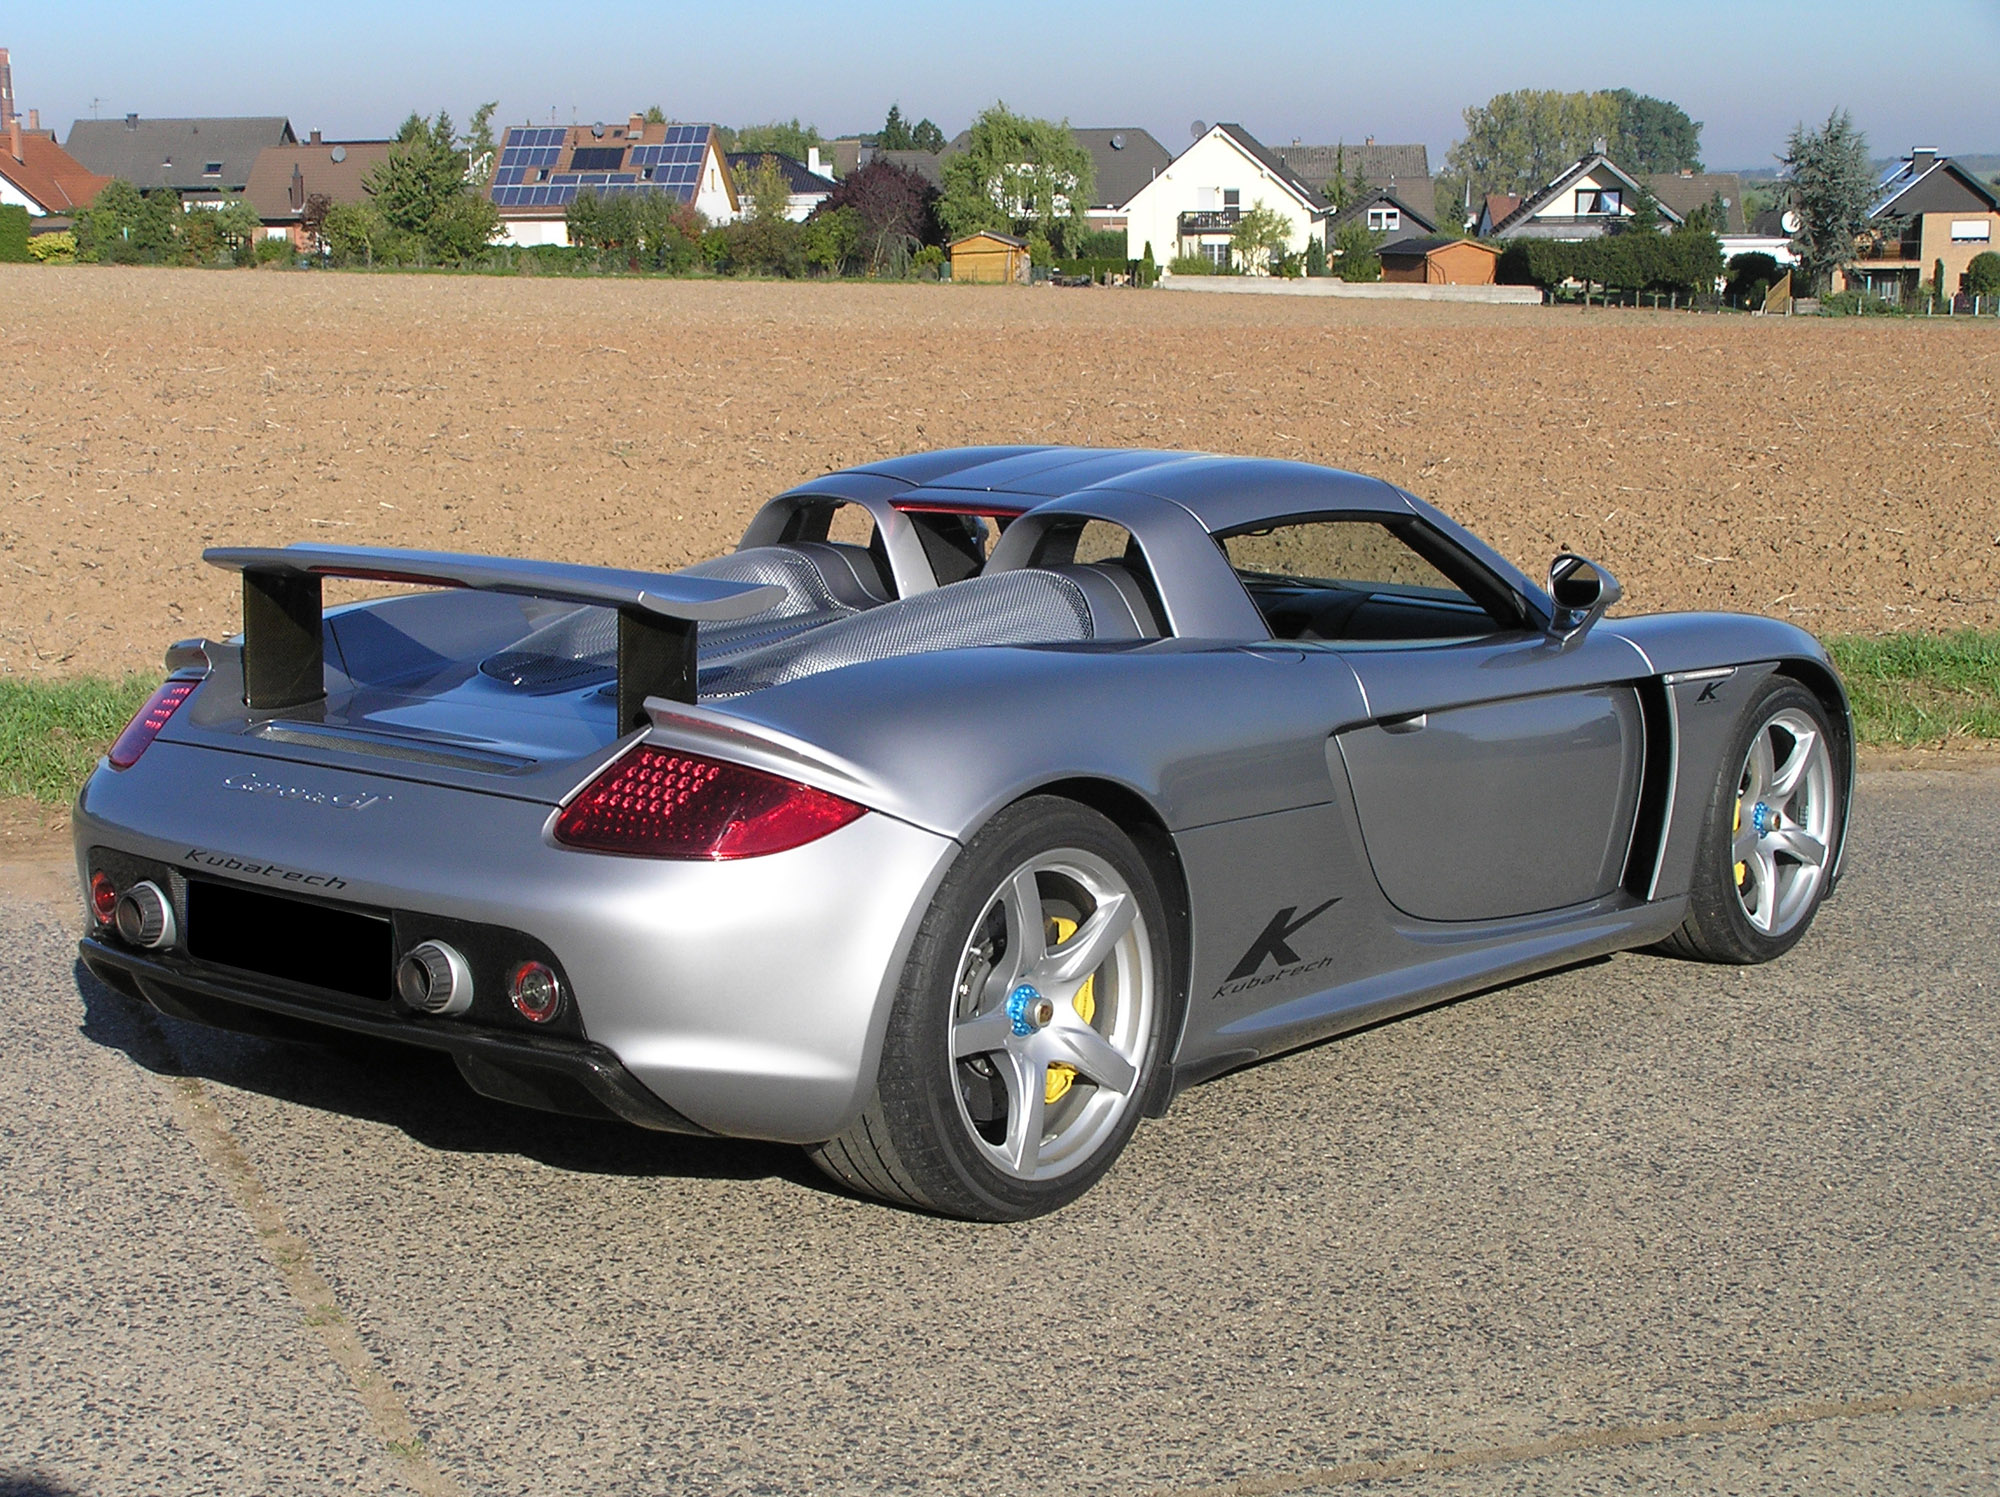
(1910, 689)
(1907, 689)
(51, 732)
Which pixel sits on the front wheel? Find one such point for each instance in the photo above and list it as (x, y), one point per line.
(1774, 824)
(1028, 1027)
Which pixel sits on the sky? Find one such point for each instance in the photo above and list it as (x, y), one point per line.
(1401, 71)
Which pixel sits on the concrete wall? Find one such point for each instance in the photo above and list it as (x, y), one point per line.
(1378, 290)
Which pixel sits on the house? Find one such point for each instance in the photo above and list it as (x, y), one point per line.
(1376, 166)
(1193, 205)
(1928, 211)
(1585, 201)
(541, 170)
(39, 175)
(990, 257)
(1688, 192)
(204, 160)
(1498, 207)
(1390, 210)
(1126, 158)
(1439, 262)
(808, 188)
(285, 178)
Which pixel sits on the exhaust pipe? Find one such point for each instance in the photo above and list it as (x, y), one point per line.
(435, 979)
(145, 917)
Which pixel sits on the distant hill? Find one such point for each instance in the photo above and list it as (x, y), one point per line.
(1987, 167)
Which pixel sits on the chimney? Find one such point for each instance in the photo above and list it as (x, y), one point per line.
(636, 127)
(131, 122)
(14, 135)
(315, 139)
(34, 122)
(6, 91)
(1922, 159)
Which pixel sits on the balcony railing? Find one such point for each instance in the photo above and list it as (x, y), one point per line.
(1220, 221)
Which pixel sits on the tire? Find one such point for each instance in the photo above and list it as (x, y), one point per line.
(1014, 1070)
(1773, 824)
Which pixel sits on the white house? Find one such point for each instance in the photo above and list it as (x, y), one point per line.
(1192, 206)
(1582, 203)
(542, 169)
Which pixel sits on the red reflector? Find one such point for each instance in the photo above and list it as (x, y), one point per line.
(145, 726)
(660, 804)
(103, 898)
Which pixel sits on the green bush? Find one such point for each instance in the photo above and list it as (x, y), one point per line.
(1750, 277)
(1101, 244)
(1686, 261)
(276, 252)
(1982, 276)
(1858, 304)
(14, 234)
(1194, 265)
(53, 249)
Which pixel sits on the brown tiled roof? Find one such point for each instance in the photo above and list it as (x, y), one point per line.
(1686, 193)
(47, 173)
(271, 191)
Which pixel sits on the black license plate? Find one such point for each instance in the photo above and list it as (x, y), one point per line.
(321, 946)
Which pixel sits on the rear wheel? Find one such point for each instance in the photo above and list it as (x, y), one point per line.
(1773, 824)
(1028, 1026)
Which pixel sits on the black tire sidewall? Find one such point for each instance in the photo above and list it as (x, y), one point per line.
(918, 1085)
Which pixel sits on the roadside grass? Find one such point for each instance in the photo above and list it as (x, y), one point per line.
(1910, 689)
(1907, 689)
(51, 732)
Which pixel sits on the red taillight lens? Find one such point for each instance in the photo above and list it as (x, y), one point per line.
(145, 727)
(660, 804)
(103, 898)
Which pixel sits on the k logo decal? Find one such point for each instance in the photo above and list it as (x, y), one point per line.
(1275, 941)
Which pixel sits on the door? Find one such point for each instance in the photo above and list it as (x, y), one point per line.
(1497, 775)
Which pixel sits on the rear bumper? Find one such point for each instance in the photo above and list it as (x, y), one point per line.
(748, 998)
(568, 1076)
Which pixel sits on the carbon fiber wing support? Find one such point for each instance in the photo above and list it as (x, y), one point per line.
(284, 663)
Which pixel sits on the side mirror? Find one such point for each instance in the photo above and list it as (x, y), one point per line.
(1582, 591)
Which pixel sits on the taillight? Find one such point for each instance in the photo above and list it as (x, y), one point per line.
(661, 804)
(146, 724)
(103, 897)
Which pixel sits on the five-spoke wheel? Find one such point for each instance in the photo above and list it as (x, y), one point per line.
(1773, 825)
(1028, 1028)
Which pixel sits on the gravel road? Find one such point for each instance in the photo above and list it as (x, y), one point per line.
(1639, 1225)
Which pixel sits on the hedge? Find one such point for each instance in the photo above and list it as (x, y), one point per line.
(1687, 260)
(14, 234)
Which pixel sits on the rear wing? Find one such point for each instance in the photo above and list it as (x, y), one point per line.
(284, 663)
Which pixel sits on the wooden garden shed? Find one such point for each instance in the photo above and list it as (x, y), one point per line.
(990, 257)
(1439, 262)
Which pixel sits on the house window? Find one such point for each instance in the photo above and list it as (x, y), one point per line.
(1384, 220)
(1972, 231)
(213, 169)
(1216, 253)
(1593, 201)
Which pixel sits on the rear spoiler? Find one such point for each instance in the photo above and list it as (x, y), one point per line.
(283, 652)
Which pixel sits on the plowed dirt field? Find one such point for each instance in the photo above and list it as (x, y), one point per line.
(1845, 475)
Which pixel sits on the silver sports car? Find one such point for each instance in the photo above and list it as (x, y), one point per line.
(979, 802)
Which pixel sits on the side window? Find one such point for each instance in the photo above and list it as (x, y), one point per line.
(1362, 579)
(851, 525)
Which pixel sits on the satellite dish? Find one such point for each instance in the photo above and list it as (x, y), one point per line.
(1198, 129)
(597, 129)
(1117, 142)
(1791, 223)
(340, 153)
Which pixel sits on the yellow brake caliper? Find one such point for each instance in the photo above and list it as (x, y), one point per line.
(1742, 869)
(1061, 1076)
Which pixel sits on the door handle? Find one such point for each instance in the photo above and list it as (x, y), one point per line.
(1414, 723)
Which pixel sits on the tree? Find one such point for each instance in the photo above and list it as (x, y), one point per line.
(1653, 135)
(779, 137)
(1354, 247)
(1982, 276)
(895, 212)
(1518, 142)
(1261, 239)
(832, 239)
(1348, 182)
(1020, 176)
(764, 241)
(898, 134)
(479, 146)
(312, 221)
(1645, 216)
(655, 115)
(1832, 184)
(421, 188)
(239, 227)
(351, 233)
